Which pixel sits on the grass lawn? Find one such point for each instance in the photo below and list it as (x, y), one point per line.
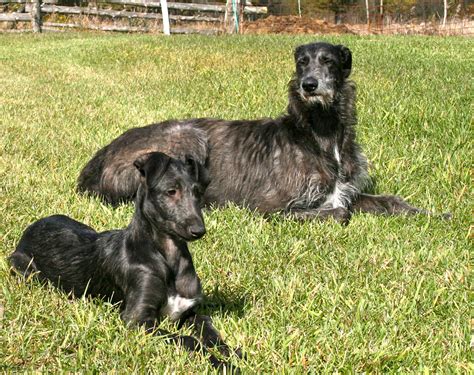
(383, 294)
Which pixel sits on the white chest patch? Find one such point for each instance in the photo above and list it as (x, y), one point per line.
(177, 305)
(343, 192)
(337, 198)
(337, 155)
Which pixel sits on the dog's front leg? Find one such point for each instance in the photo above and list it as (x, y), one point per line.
(204, 329)
(141, 307)
(385, 205)
(340, 214)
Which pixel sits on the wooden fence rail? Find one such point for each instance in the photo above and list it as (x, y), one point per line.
(34, 11)
(15, 17)
(120, 13)
(26, 1)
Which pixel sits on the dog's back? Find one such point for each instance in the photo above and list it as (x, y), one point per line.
(111, 175)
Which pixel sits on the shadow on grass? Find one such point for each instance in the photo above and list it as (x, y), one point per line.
(227, 303)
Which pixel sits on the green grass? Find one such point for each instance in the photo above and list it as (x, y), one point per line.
(384, 294)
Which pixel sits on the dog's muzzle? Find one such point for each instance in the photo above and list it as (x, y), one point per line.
(313, 91)
(309, 86)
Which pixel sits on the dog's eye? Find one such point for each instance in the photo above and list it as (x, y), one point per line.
(303, 61)
(326, 60)
(171, 192)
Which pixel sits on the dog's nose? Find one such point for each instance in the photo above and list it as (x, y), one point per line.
(197, 230)
(310, 85)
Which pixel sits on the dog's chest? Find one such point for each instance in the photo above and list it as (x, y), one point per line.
(341, 194)
(319, 184)
(183, 286)
(177, 305)
(335, 198)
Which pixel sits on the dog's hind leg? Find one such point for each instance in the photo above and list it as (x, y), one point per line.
(89, 178)
(385, 205)
(119, 183)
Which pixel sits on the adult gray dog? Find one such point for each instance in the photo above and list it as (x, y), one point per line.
(306, 163)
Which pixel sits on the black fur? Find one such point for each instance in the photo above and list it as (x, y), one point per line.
(146, 265)
(306, 163)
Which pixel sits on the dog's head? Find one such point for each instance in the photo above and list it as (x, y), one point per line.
(171, 194)
(321, 69)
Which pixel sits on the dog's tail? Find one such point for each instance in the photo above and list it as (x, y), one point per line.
(22, 263)
(91, 175)
(114, 184)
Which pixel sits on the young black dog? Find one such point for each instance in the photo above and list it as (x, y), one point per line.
(147, 265)
(305, 164)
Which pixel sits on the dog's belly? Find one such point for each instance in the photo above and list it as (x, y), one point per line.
(177, 305)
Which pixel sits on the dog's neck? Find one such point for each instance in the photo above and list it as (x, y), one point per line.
(323, 122)
(142, 231)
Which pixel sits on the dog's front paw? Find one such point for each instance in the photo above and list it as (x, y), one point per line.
(446, 216)
(342, 215)
(190, 343)
(239, 353)
(224, 366)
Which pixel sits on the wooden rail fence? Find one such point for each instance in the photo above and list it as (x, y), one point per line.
(211, 18)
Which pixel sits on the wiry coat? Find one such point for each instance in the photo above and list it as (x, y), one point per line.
(306, 163)
(289, 162)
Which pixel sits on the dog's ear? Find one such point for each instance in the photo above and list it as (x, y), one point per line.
(346, 58)
(298, 51)
(154, 163)
(140, 162)
(198, 171)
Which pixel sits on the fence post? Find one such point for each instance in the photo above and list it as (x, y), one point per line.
(231, 16)
(368, 14)
(235, 12)
(227, 17)
(36, 16)
(241, 4)
(381, 16)
(445, 15)
(166, 19)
